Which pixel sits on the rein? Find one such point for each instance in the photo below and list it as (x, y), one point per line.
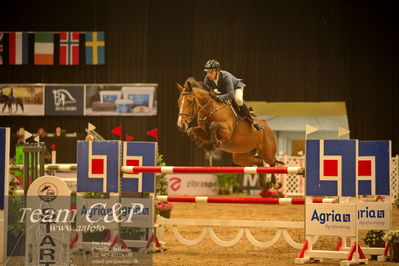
(198, 113)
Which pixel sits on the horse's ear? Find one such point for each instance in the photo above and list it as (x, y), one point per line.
(189, 85)
(180, 87)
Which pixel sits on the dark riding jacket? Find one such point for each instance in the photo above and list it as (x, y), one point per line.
(226, 84)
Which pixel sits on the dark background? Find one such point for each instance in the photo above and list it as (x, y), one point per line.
(302, 50)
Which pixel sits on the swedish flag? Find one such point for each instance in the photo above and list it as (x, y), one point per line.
(95, 48)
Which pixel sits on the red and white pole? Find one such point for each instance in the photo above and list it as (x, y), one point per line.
(237, 200)
(212, 170)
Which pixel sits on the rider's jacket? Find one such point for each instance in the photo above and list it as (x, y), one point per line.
(226, 84)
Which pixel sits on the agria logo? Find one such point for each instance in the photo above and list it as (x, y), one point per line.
(324, 217)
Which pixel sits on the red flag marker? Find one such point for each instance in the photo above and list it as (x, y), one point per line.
(128, 138)
(117, 131)
(153, 133)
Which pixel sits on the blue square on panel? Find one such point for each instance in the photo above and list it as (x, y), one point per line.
(140, 154)
(380, 151)
(315, 152)
(91, 180)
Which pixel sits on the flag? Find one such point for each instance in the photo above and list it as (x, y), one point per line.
(1, 47)
(342, 132)
(27, 135)
(117, 131)
(153, 133)
(69, 48)
(91, 127)
(310, 129)
(95, 48)
(18, 48)
(128, 138)
(44, 48)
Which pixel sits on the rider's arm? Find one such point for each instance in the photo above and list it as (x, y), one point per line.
(229, 87)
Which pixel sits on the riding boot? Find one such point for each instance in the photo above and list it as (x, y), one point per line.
(246, 113)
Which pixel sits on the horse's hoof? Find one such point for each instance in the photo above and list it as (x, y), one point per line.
(208, 146)
(217, 143)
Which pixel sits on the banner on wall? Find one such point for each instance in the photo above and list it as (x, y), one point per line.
(64, 100)
(21, 99)
(124, 100)
(130, 99)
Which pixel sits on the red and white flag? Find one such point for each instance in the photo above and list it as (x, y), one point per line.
(69, 48)
(18, 48)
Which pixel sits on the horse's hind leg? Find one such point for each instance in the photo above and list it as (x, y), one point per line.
(250, 159)
(247, 159)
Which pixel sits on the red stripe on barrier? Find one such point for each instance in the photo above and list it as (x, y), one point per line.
(181, 199)
(298, 201)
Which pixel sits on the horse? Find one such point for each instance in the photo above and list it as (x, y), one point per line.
(8, 101)
(4, 99)
(219, 128)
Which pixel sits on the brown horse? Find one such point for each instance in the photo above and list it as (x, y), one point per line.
(8, 101)
(218, 127)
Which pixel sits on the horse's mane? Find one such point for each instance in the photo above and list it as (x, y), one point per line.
(196, 84)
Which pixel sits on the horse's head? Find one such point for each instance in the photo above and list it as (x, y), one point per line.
(187, 106)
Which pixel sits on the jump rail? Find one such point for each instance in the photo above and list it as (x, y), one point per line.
(182, 169)
(212, 170)
(238, 200)
(49, 167)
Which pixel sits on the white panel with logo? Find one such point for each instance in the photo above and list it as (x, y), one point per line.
(331, 219)
(48, 222)
(192, 184)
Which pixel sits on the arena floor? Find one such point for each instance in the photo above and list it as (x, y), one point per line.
(244, 253)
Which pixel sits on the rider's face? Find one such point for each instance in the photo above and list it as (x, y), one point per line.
(212, 74)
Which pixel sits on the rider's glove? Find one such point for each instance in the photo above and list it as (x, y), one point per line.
(214, 96)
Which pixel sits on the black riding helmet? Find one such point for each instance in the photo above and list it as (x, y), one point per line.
(212, 65)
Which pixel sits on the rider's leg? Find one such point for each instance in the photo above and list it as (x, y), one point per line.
(239, 99)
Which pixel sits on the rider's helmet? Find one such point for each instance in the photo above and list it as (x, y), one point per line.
(212, 65)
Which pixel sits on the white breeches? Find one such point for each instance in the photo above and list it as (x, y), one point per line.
(239, 96)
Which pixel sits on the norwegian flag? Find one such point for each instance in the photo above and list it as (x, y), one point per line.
(69, 48)
(1, 47)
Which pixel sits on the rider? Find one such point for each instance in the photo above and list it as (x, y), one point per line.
(11, 95)
(227, 87)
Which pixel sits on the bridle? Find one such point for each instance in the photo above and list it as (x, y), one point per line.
(198, 113)
(193, 114)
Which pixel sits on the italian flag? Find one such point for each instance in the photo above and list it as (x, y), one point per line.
(44, 48)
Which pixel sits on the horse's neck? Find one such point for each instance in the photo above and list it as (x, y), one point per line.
(202, 97)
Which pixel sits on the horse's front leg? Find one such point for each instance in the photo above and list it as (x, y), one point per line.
(197, 134)
(214, 127)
